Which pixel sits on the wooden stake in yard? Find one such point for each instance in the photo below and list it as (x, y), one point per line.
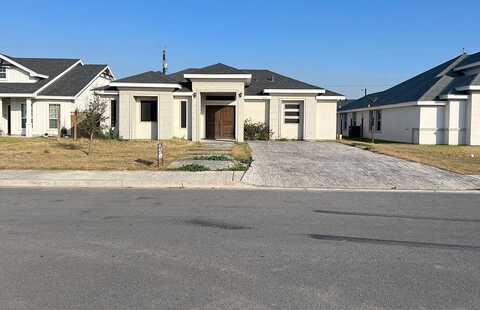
(75, 125)
(161, 150)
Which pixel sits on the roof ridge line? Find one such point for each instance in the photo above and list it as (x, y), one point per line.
(442, 76)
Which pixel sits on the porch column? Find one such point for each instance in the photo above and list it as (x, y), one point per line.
(196, 106)
(28, 123)
(1, 117)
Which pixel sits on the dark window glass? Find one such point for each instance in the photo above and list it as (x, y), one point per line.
(292, 121)
(220, 98)
(149, 111)
(183, 114)
(379, 120)
(292, 106)
(292, 113)
(113, 113)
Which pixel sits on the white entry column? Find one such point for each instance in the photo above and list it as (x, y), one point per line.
(28, 121)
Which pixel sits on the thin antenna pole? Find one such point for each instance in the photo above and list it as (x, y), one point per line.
(164, 61)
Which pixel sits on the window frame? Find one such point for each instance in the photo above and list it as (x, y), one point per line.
(153, 115)
(289, 108)
(113, 113)
(4, 73)
(23, 111)
(58, 116)
(183, 113)
(378, 120)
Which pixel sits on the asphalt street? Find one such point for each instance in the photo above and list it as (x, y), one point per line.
(238, 249)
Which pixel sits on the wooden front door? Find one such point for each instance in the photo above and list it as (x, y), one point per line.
(220, 122)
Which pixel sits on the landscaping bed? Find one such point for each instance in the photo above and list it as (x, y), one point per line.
(19, 153)
(459, 159)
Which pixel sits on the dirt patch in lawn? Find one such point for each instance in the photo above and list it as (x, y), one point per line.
(66, 154)
(460, 159)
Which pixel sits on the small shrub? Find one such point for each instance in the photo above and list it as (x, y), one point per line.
(236, 167)
(256, 131)
(193, 168)
(212, 157)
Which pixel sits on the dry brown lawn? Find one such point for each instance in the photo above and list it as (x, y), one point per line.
(242, 151)
(460, 159)
(66, 154)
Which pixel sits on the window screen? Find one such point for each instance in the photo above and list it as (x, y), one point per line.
(149, 111)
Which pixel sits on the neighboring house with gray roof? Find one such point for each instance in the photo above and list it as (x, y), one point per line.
(214, 102)
(39, 95)
(439, 106)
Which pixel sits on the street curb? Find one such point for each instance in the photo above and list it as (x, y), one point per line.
(120, 179)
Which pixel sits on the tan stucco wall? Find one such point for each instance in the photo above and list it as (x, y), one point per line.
(473, 119)
(256, 110)
(326, 122)
(130, 126)
(200, 86)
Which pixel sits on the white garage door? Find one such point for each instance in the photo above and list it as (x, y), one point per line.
(292, 120)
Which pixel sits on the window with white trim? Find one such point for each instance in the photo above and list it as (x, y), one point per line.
(23, 107)
(3, 73)
(54, 116)
(292, 113)
(183, 114)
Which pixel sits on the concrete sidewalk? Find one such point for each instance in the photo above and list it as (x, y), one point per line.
(116, 179)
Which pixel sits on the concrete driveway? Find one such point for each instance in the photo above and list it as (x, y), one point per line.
(334, 165)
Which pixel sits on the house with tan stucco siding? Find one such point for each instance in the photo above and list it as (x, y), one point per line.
(439, 106)
(214, 102)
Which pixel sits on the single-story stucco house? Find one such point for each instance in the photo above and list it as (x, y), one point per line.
(439, 106)
(213, 102)
(39, 95)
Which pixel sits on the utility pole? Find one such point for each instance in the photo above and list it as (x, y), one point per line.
(372, 124)
(164, 61)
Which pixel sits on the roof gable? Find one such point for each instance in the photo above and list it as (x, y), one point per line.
(74, 81)
(51, 67)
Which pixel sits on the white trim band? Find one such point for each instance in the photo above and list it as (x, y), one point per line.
(294, 91)
(470, 87)
(257, 97)
(330, 97)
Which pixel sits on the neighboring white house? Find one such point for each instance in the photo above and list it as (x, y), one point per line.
(213, 103)
(39, 95)
(439, 106)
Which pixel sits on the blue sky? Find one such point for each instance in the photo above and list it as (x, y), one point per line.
(341, 45)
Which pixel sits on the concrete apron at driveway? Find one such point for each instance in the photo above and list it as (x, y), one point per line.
(334, 165)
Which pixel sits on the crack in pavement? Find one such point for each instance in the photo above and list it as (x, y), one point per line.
(410, 217)
(395, 242)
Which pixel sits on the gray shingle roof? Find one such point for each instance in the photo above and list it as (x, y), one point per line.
(218, 69)
(266, 79)
(51, 67)
(261, 79)
(428, 86)
(470, 59)
(148, 77)
(74, 81)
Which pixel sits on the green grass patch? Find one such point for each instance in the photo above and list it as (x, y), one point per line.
(192, 168)
(212, 157)
(236, 167)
